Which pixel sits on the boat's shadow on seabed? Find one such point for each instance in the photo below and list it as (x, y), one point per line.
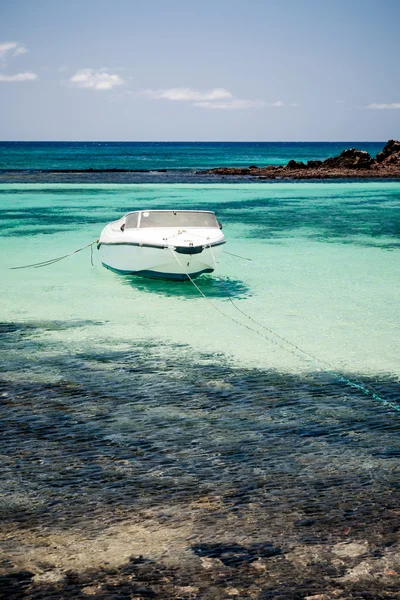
(212, 287)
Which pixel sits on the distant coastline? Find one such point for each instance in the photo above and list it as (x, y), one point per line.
(201, 162)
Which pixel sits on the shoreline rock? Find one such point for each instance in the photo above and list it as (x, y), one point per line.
(349, 164)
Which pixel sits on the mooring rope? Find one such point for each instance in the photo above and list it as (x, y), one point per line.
(321, 365)
(216, 307)
(292, 348)
(237, 255)
(51, 261)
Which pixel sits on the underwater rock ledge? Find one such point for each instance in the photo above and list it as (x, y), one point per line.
(248, 483)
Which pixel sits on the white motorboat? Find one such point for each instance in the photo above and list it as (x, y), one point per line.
(165, 244)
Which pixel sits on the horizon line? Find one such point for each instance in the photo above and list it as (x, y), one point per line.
(193, 141)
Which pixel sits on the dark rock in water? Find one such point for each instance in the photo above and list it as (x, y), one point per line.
(142, 592)
(391, 148)
(294, 164)
(393, 160)
(12, 585)
(304, 523)
(349, 159)
(389, 158)
(234, 555)
(351, 163)
(229, 171)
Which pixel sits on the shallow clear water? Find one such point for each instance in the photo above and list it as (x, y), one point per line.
(324, 271)
(127, 398)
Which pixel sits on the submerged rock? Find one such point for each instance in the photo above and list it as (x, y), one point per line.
(352, 549)
(234, 555)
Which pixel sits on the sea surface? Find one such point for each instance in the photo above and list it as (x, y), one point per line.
(248, 441)
(170, 162)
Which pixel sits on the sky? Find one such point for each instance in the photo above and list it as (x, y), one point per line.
(215, 70)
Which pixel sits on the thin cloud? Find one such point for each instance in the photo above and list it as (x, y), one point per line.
(27, 76)
(233, 104)
(96, 80)
(8, 49)
(187, 94)
(383, 106)
(214, 99)
(236, 104)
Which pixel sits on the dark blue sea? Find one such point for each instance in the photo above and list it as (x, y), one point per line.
(173, 156)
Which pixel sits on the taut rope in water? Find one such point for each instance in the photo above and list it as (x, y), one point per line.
(236, 256)
(319, 364)
(51, 261)
(292, 348)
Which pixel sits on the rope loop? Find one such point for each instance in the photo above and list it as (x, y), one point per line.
(51, 261)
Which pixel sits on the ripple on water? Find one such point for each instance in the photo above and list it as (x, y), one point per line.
(230, 481)
(136, 428)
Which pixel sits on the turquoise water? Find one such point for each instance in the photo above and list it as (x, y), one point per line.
(129, 401)
(324, 271)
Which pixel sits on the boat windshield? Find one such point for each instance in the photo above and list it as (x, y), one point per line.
(179, 218)
(131, 221)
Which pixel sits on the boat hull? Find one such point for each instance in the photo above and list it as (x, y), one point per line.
(159, 263)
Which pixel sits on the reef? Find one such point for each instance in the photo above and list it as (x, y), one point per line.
(152, 471)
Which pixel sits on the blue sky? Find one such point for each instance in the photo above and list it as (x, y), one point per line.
(283, 70)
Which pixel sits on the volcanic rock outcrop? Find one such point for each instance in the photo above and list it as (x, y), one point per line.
(390, 153)
(349, 159)
(351, 163)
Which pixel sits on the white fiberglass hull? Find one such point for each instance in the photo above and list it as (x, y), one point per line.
(165, 263)
(161, 252)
